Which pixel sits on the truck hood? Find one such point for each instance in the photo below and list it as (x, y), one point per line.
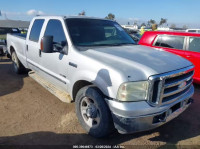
(137, 62)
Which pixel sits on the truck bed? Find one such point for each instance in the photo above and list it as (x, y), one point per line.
(19, 35)
(17, 42)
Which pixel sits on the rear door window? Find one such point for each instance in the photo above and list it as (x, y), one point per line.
(158, 41)
(194, 44)
(36, 29)
(192, 31)
(173, 42)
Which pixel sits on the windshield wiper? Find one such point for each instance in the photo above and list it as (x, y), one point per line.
(115, 44)
(120, 44)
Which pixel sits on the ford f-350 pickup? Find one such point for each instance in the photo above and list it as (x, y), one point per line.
(114, 82)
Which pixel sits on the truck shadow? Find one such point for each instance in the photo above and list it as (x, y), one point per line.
(169, 134)
(184, 127)
(9, 81)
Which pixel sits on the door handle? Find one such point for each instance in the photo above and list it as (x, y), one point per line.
(26, 47)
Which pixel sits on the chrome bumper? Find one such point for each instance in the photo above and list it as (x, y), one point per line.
(140, 116)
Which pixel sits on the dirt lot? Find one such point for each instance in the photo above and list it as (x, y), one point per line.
(30, 115)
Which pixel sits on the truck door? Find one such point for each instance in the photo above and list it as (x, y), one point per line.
(33, 45)
(193, 54)
(55, 64)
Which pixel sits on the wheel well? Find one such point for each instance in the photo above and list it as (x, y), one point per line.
(78, 85)
(11, 50)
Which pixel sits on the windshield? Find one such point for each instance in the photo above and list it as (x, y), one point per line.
(94, 32)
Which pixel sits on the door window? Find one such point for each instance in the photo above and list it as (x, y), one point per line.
(36, 29)
(174, 42)
(54, 28)
(192, 31)
(158, 42)
(194, 44)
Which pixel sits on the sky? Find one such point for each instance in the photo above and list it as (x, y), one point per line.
(179, 12)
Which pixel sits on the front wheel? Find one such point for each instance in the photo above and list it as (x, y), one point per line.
(17, 65)
(93, 112)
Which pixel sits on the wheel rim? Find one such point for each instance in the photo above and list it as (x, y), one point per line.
(90, 112)
(14, 61)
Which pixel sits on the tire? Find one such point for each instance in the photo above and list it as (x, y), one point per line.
(17, 65)
(8, 55)
(93, 112)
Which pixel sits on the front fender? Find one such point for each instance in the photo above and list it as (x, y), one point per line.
(102, 79)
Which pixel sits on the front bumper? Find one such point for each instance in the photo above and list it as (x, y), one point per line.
(140, 116)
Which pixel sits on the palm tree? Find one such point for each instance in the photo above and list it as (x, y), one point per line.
(110, 16)
(163, 21)
(152, 21)
(82, 13)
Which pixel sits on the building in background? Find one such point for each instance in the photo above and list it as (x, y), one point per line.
(14, 24)
(133, 27)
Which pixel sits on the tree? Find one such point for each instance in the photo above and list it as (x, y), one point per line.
(173, 26)
(185, 27)
(82, 13)
(152, 21)
(162, 21)
(110, 16)
(143, 24)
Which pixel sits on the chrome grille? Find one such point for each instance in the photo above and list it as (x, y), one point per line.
(169, 87)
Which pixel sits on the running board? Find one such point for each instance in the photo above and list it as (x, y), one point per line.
(62, 95)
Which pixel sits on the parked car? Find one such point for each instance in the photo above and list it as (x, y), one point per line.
(193, 30)
(2, 45)
(111, 79)
(184, 44)
(134, 34)
(3, 32)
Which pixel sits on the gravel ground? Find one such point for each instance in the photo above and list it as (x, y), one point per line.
(30, 115)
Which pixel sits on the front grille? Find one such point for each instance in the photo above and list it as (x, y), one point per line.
(169, 87)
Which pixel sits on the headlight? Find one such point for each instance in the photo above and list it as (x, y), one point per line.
(133, 91)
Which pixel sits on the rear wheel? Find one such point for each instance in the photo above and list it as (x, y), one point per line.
(17, 65)
(93, 112)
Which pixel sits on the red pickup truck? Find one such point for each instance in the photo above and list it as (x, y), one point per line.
(184, 44)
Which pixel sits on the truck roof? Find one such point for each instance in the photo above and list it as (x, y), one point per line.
(67, 17)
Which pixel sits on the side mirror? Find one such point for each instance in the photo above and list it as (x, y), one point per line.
(47, 44)
(63, 43)
(64, 47)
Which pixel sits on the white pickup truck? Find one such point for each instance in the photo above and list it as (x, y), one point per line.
(114, 82)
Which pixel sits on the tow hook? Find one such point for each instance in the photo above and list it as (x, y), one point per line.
(163, 119)
(160, 118)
